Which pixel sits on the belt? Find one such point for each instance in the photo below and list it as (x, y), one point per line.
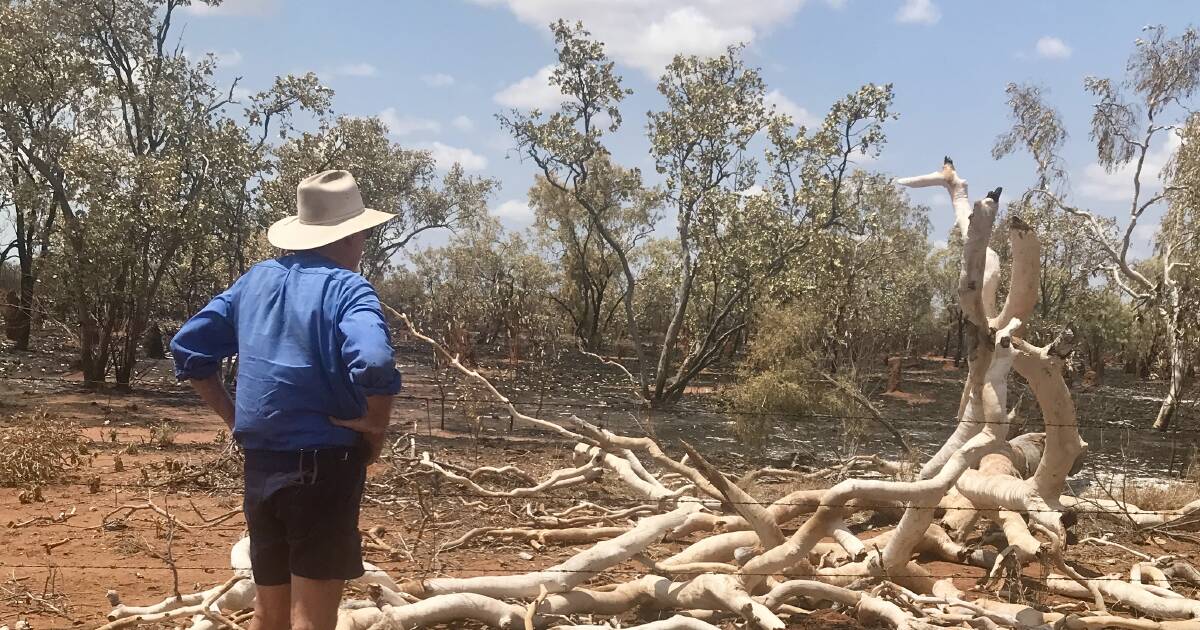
(304, 460)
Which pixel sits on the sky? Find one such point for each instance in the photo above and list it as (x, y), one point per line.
(438, 71)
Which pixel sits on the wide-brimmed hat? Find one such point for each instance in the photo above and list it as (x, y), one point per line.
(328, 207)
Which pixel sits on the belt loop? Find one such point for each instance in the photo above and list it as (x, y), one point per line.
(308, 477)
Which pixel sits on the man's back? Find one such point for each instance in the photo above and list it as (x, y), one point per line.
(311, 344)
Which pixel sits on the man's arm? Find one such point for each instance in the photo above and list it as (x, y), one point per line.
(213, 391)
(373, 426)
(367, 351)
(200, 345)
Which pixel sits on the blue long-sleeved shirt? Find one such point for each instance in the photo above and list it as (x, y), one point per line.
(311, 342)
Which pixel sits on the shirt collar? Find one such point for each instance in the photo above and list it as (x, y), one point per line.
(312, 256)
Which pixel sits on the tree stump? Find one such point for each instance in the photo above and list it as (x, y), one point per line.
(13, 319)
(152, 342)
(895, 370)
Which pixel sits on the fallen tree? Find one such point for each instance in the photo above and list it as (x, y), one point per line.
(762, 563)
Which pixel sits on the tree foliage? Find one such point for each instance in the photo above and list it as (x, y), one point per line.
(591, 285)
(1131, 117)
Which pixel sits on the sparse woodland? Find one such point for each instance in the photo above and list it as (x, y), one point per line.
(137, 187)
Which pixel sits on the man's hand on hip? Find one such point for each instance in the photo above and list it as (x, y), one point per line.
(365, 424)
(372, 425)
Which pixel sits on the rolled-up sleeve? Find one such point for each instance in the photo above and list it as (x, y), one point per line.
(366, 344)
(207, 338)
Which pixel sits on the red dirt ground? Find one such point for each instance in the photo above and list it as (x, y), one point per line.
(56, 574)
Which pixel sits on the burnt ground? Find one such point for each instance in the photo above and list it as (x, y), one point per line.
(62, 553)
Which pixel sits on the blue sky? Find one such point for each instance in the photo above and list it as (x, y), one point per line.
(439, 70)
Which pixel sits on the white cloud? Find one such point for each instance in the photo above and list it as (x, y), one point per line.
(940, 244)
(753, 191)
(463, 123)
(228, 58)
(785, 105)
(647, 34)
(437, 79)
(356, 70)
(1102, 185)
(402, 124)
(514, 210)
(1052, 48)
(446, 156)
(918, 12)
(236, 7)
(532, 92)
(223, 59)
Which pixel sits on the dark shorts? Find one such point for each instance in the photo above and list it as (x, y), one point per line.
(302, 511)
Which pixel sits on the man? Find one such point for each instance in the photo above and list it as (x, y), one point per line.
(315, 383)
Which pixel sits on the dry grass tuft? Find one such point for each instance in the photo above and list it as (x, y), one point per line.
(37, 448)
(1168, 495)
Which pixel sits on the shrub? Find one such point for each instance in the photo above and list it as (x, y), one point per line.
(38, 448)
(782, 374)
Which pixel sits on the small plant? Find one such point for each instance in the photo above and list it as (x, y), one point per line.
(163, 434)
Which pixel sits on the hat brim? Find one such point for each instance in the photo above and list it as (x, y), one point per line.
(289, 233)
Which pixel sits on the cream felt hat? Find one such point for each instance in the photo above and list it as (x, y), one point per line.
(328, 207)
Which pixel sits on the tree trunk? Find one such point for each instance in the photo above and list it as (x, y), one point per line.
(152, 344)
(683, 294)
(1177, 367)
(1130, 360)
(89, 363)
(12, 317)
(127, 358)
(24, 312)
(18, 319)
(894, 373)
(958, 352)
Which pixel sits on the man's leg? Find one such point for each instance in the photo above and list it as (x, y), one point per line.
(272, 607)
(325, 548)
(315, 603)
(268, 543)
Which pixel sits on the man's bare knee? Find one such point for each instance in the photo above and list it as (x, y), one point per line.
(272, 608)
(315, 603)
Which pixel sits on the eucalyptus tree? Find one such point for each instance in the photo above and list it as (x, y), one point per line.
(713, 109)
(589, 291)
(44, 83)
(124, 140)
(1179, 248)
(1131, 118)
(733, 242)
(484, 286)
(566, 144)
